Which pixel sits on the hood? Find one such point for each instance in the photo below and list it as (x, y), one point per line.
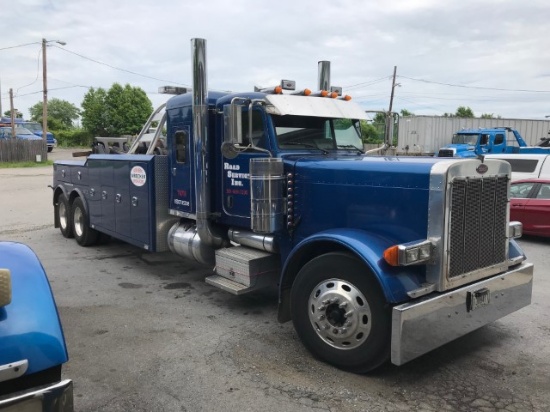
(388, 195)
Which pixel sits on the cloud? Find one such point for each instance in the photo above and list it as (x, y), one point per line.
(492, 44)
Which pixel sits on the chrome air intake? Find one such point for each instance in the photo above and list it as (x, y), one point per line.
(266, 195)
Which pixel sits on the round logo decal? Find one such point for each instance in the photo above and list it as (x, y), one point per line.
(482, 168)
(138, 176)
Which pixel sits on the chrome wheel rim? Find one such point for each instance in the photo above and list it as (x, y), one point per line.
(62, 210)
(78, 222)
(339, 314)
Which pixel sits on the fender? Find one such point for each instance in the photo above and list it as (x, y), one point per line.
(71, 195)
(395, 282)
(30, 327)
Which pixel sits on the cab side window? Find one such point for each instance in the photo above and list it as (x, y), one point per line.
(258, 135)
(484, 139)
(182, 141)
(499, 138)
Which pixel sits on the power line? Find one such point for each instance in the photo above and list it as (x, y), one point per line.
(368, 83)
(118, 68)
(37, 73)
(20, 45)
(475, 87)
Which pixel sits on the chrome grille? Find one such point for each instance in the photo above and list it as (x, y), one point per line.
(478, 222)
(446, 153)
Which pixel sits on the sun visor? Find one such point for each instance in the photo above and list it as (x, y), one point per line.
(314, 106)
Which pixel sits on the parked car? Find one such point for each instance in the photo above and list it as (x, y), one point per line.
(530, 205)
(36, 128)
(32, 344)
(20, 133)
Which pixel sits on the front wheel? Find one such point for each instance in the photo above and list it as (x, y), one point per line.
(63, 211)
(340, 313)
(83, 233)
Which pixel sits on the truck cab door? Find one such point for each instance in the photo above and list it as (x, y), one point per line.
(181, 189)
(498, 143)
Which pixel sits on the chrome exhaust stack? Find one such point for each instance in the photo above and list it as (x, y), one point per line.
(205, 229)
(323, 78)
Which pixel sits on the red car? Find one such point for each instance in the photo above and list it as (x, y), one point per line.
(530, 204)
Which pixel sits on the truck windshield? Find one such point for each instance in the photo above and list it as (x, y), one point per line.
(303, 132)
(34, 127)
(465, 139)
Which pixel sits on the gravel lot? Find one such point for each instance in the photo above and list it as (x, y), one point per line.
(145, 333)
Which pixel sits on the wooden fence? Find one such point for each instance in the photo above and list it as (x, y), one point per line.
(17, 150)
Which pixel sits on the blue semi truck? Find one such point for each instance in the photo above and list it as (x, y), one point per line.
(375, 257)
(32, 345)
(470, 143)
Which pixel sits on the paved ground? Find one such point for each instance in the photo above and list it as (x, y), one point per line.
(145, 333)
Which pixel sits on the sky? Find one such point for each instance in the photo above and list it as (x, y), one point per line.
(490, 55)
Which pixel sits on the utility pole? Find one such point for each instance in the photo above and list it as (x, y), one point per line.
(389, 117)
(44, 93)
(12, 112)
(1, 112)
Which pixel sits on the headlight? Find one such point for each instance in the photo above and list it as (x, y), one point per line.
(515, 230)
(409, 253)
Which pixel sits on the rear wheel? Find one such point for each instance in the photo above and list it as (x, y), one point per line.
(83, 233)
(63, 211)
(340, 313)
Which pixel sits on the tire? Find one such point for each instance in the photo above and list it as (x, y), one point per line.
(325, 291)
(83, 233)
(63, 210)
(50, 149)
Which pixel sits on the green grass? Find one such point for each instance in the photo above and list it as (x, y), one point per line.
(10, 165)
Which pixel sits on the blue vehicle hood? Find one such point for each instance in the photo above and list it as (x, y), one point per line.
(27, 137)
(462, 149)
(29, 326)
(49, 136)
(386, 195)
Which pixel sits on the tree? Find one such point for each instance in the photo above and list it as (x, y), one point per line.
(406, 113)
(371, 133)
(119, 111)
(463, 111)
(489, 116)
(61, 114)
(94, 112)
(18, 114)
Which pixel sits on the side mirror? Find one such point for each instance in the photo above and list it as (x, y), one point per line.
(233, 123)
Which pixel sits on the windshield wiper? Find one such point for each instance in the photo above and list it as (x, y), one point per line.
(350, 146)
(305, 145)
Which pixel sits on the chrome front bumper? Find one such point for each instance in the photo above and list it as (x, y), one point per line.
(53, 398)
(427, 323)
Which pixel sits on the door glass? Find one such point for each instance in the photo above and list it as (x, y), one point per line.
(521, 190)
(544, 192)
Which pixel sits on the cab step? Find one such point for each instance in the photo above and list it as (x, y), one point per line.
(229, 285)
(241, 269)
